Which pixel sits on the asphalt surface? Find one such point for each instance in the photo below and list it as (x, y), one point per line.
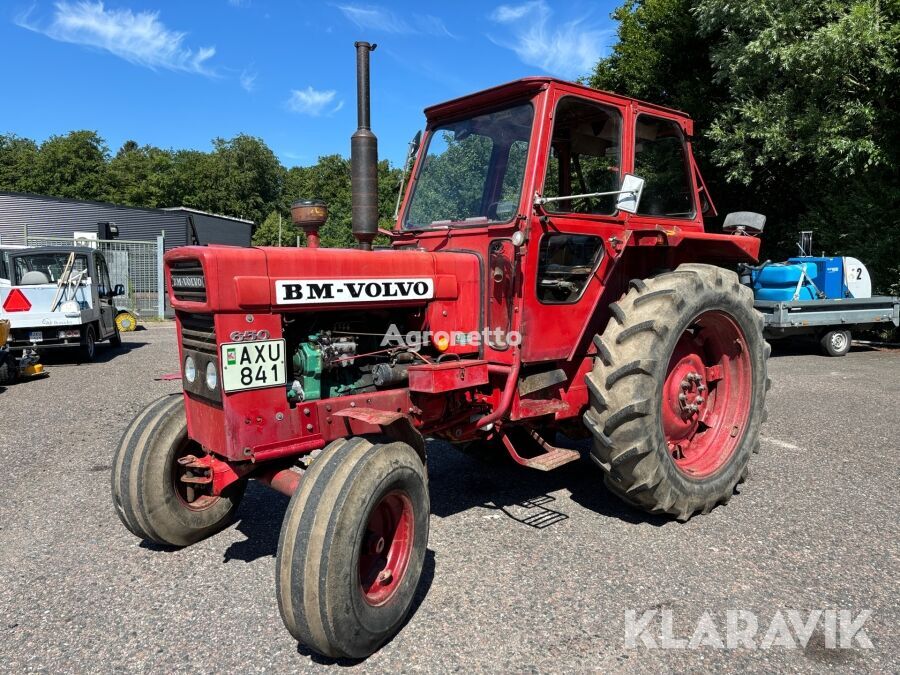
(815, 527)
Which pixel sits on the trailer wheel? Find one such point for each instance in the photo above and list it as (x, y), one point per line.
(677, 392)
(352, 547)
(836, 342)
(88, 348)
(148, 495)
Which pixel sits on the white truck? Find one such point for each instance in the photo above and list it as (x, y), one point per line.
(59, 296)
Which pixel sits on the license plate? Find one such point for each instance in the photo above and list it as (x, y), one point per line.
(253, 365)
(36, 336)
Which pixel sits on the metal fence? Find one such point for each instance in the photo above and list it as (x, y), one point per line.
(137, 265)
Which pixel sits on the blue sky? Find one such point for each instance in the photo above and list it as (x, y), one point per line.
(177, 74)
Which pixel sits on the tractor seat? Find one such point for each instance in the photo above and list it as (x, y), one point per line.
(33, 278)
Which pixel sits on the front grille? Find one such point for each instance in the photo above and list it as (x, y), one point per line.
(188, 282)
(198, 331)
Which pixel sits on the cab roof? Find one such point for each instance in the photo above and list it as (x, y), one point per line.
(527, 86)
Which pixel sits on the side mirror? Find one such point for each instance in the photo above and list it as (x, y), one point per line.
(630, 196)
(119, 289)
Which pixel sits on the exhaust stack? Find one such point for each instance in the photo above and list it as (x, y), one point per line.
(364, 158)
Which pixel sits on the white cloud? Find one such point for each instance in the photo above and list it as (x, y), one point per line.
(239, 3)
(312, 102)
(566, 48)
(374, 17)
(247, 79)
(139, 38)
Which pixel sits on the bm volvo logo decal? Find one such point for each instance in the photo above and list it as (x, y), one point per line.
(322, 291)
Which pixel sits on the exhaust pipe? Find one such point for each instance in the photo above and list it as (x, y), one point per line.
(364, 158)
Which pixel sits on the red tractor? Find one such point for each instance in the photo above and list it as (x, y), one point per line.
(551, 246)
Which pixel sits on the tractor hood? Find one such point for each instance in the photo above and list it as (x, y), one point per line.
(221, 278)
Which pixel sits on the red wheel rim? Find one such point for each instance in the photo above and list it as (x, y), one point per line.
(386, 547)
(707, 395)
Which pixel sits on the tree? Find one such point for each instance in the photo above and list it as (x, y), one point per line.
(17, 163)
(796, 109)
(74, 166)
(142, 176)
(267, 234)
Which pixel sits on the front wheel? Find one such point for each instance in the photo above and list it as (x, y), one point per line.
(677, 392)
(352, 547)
(148, 492)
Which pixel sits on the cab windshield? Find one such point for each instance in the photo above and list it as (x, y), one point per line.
(472, 171)
(34, 269)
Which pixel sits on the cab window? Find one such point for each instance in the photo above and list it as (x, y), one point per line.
(585, 157)
(661, 159)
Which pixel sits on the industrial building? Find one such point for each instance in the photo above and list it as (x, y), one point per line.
(29, 216)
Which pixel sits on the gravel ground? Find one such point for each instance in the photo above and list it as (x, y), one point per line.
(816, 527)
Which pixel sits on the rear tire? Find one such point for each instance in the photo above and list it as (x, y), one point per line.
(352, 547)
(145, 480)
(681, 339)
(88, 348)
(836, 342)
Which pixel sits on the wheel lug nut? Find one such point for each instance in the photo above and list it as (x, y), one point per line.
(699, 400)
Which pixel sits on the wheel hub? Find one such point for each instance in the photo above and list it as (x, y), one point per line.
(387, 547)
(707, 394)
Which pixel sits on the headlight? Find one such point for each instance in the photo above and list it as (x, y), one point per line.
(190, 369)
(212, 376)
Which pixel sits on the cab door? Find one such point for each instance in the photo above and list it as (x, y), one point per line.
(104, 297)
(571, 245)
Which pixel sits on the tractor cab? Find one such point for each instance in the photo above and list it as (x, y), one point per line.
(553, 184)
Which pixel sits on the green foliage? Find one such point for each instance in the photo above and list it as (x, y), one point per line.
(239, 177)
(267, 234)
(796, 107)
(74, 165)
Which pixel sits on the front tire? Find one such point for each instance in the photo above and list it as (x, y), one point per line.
(148, 496)
(677, 392)
(352, 547)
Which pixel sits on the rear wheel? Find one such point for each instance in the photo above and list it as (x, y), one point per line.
(677, 393)
(149, 496)
(115, 340)
(88, 349)
(836, 342)
(352, 547)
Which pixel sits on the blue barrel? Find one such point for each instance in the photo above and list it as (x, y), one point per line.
(778, 282)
